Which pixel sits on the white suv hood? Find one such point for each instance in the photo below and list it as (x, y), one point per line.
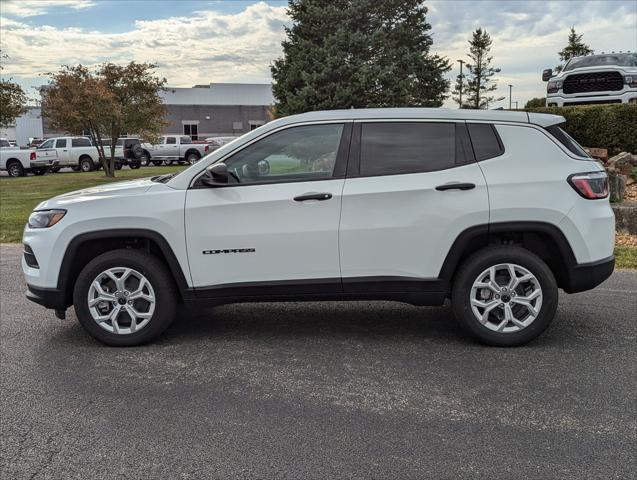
(118, 189)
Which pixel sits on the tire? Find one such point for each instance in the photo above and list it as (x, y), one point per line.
(144, 160)
(134, 165)
(157, 163)
(38, 171)
(55, 169)
(15, 168)
(192, 158)
(494, 330)
(161, 288)
(86, 164)
(118, 166)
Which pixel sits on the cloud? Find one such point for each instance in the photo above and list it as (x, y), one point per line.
(30, 8)
(207, 47)
(212, 46)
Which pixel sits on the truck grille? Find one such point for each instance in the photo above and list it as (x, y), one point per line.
(593, 82)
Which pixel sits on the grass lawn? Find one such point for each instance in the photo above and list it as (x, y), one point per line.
(18, 197)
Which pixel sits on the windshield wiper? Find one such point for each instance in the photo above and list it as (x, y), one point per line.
(163, 178)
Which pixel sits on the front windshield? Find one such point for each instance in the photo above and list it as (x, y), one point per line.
(615, 59)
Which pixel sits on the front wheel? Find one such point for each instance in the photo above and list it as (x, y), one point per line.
(504, 296)
(125, 298)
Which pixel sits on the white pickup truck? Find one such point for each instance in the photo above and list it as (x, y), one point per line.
(17, 162)
(75, 152)
(176, 148)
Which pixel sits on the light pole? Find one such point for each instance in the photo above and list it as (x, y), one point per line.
(460, 86)
(510, 88)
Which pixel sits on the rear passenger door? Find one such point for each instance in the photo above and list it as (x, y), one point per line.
(62, 149)
(412, 187)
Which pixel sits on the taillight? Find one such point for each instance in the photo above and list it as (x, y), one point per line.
(206, 148)
(590, 185)
(32, 156)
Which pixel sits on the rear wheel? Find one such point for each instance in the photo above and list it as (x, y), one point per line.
(15, 168)
(144, 160)
(157, 163)
(125, 297)
(86, 164)
(504, 296)
(192, 158)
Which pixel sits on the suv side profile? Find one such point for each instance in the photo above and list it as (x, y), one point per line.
(493, 210)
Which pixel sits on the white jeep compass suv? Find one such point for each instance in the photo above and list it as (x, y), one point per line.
(494, 210)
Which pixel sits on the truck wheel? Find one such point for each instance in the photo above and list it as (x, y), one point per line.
(55, 169)
(125, 297)
(118, 166)
(134, 165)
(192, 158)
(144, 160)
(15, 168)
(86, 164)
(504, 296)
(157, 163)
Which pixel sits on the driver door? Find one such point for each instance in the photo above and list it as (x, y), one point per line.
(273, 229)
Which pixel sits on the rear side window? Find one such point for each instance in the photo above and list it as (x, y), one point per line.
(485, 140)
(171, 140)
(80, 142)
(60, 143)
(406, 147)
(566, 140)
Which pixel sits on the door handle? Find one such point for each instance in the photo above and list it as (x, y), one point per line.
(456, 186)
(313, 196)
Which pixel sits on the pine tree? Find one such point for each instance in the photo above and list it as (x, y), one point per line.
(574, 48)
(363, 53)
(479, 78)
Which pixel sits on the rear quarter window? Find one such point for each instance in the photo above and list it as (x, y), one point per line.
(80, 142)
(485, 140)
(565, 139)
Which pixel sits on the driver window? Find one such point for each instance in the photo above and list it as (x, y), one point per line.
(47, 144)
(297, 153)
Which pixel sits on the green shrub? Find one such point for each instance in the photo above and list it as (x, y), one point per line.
(601, 126)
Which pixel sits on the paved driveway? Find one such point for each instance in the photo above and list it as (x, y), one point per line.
(356, 390)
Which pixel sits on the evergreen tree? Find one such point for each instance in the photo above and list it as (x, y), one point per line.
(480, 82)
(358, 53)
(574, 48)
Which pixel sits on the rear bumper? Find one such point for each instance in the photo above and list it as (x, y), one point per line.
(47, 297)
(586, 276)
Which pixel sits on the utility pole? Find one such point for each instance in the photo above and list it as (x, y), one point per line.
(510, 88)
(460, 87)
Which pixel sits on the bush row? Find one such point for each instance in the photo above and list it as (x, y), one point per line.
(600, 126)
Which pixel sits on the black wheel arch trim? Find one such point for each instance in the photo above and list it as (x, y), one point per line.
(171, 259)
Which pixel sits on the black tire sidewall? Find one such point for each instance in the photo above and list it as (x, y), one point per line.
(158, 276)
(19, 172)
(86, 161)
(476, 264)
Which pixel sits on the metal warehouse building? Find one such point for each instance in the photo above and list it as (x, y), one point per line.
(217, 109)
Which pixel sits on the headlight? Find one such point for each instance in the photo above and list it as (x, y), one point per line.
(45, 218)
(554, 86)
(631, 80)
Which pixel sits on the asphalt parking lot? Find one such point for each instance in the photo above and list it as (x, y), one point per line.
(355, 390)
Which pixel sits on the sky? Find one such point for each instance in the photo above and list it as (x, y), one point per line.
(199, 42)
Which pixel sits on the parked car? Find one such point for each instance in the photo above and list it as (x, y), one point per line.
(591, 79)
(175, 148)
(75, 152)
(128, 151)
(17, 162)
(492, 209)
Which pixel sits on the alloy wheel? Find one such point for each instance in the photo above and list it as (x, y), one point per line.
(121, 300)
(506, 298)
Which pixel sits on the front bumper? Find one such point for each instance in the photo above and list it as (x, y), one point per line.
(47, 297)
(586, 276)
(563, 100)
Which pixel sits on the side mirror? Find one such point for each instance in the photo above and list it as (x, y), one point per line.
(216, 175)
(547, 74)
